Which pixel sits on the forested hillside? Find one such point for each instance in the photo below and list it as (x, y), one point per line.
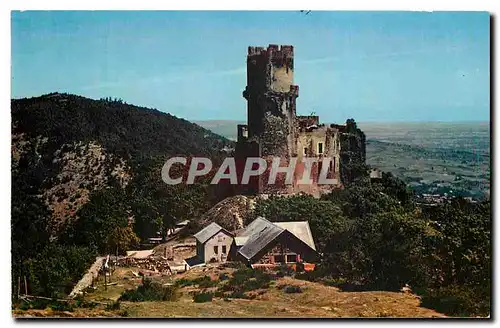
(81, 168)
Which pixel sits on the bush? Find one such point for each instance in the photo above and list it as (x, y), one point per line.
(245, 280)
(203, 297)
(284, 270)
(62, 306)
(223, 277)
(113, 306)
(292, 289)
(202, 282)
(150, 291)
(123, 313)
(82, 303)
(335, 282)
(459, 301)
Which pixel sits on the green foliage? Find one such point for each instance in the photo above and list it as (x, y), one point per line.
(244, 280)
(130, 131)
(462, 246)
(150, 291)
(202, 282)
(113, 306)
(62, 306)
(459, 300)
(223, 277)
(203, 297)
(292, 289)
(55, 270)
(379, 239)
(325, 218)
(123, 313)
(143, 137)
(284, 270)
(104, 221)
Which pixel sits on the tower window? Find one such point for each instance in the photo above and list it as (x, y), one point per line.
(320, 148)
(305, 150)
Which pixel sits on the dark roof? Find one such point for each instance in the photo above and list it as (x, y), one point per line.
(263, 233)
(208, 232)
(260, 232)
(255, 226)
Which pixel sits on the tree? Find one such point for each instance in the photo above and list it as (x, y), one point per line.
(324, 217)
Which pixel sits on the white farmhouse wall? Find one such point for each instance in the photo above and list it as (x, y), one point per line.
(220, 239)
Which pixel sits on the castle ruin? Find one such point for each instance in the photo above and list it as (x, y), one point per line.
(273, 128)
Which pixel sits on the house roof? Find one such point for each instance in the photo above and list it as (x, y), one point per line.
(255, 226)
(299, 229)
(264, 233)
(261, 232)
(208, 232)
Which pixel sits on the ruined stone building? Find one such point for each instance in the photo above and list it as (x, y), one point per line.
(274, 129)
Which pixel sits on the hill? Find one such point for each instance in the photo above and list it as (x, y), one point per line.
(72, 146)
(82, 170)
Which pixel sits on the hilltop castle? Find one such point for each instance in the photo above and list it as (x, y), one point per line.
(274, 129)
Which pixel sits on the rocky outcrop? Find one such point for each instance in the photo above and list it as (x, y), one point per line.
(230, 213)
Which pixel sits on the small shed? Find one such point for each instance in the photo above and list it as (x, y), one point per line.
(213, 243)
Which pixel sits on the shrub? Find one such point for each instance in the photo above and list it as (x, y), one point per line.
(82, 303)
(238, 294)
(62, 306)
(113, 306)
(292, 289)
(203, 297)
(206, 283)
(123, 313)
(202, 282)
(335, 282)
(223, 277)
(245, 280)
(459, 301)
(284, 270)
(150, 291)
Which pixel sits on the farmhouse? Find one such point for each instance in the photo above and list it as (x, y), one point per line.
(213, 243)
(265, 243)
(261, 244)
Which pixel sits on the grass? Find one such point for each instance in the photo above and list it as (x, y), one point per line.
(316, 300)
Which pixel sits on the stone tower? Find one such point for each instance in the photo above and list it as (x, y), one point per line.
(273, 129)
(271, 109)
(271, 97)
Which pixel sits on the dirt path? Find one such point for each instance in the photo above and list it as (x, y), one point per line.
(87, 277)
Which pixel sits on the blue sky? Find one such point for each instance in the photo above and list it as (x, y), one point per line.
(372, 66)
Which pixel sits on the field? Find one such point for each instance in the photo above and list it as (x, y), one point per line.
(435, 158)
(315, 300)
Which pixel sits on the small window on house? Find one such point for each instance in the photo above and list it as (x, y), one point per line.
(291, 258)
(320, 148)
(279, 259)
(216, 249)
(219, 238)
(305, 150)
(224, 249)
